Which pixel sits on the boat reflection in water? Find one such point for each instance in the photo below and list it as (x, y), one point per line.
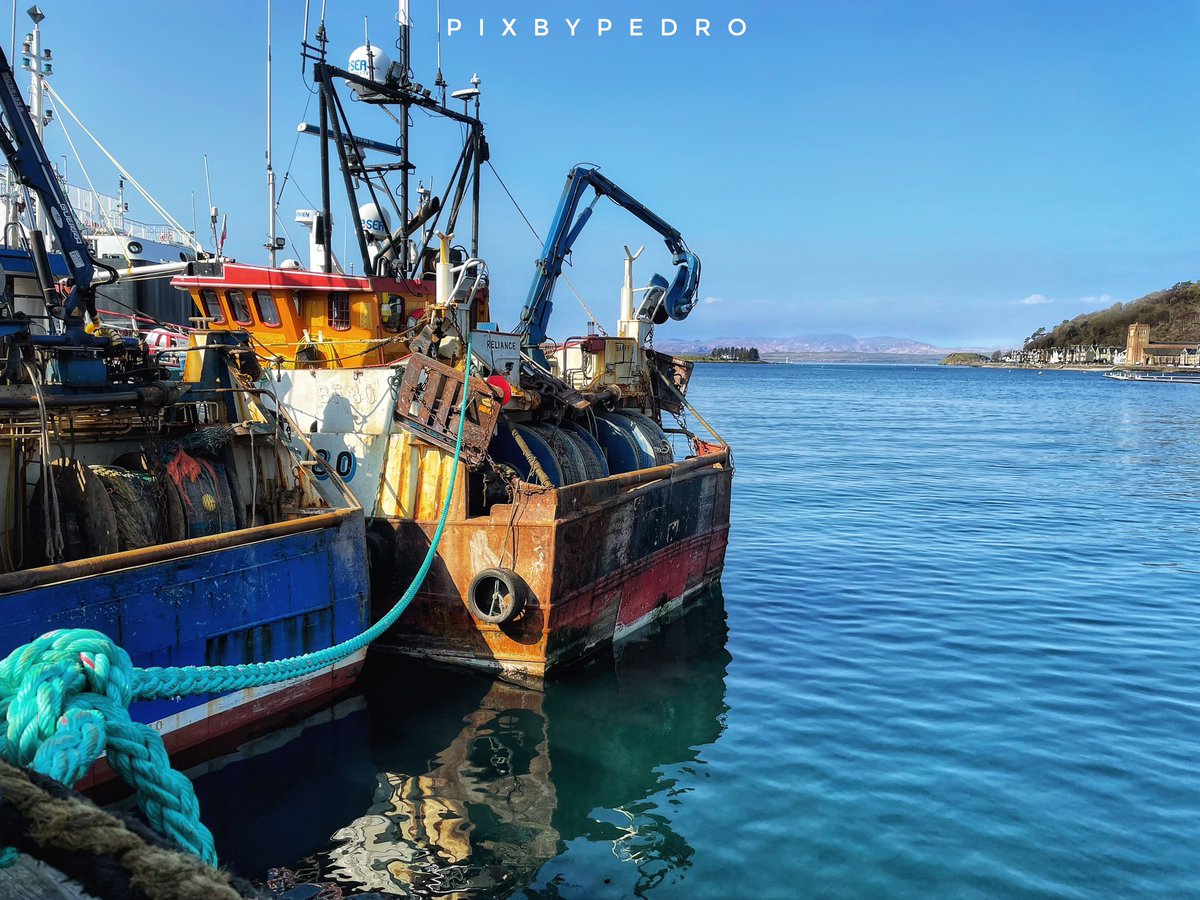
(477, 784)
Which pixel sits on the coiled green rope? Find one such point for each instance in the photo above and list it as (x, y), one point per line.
(64, 700)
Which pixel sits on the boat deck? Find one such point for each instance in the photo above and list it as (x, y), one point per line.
(32, 879)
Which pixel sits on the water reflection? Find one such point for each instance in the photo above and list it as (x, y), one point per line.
(478, 821)
(467, 787)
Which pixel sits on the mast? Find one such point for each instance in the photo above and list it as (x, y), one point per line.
(475, 161)
(404, 45)
(271, 249)
(326, 225)
(37, 97)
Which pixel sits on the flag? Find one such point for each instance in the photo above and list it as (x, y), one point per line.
(224, 232)
(402, 15)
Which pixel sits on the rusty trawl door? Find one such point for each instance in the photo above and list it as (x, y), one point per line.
(429, 400)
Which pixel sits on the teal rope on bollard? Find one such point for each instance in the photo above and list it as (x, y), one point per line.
(64, 701)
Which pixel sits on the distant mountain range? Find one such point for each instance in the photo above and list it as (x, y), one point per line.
(807, 343)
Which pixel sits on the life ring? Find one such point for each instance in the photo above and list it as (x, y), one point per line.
(497, 596)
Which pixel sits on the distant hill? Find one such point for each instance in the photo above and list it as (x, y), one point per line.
(1173, 315)
(810, 343)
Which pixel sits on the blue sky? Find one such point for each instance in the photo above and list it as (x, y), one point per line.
(960, 173)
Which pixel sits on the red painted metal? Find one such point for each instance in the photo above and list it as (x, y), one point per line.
(223, 732)
(601, 559)
(244, 276)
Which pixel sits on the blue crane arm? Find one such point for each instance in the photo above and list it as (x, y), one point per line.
(28, 161)
(679, 296)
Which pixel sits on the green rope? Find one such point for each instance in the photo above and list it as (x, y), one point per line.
(64, 700)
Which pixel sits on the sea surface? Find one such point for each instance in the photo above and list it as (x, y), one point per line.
(956, 654)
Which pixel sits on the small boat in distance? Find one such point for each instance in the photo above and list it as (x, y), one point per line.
(1161, 377)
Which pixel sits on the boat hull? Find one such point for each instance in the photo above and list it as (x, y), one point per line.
(259, 594)
(601, 559)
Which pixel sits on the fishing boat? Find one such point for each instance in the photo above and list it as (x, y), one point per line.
(175, 515)
(593, 498)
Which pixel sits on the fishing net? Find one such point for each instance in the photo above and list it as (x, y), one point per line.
(206, 441)
(204, 489)
(136, 504)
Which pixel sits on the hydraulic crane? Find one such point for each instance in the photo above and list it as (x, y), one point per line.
(675, 299)
(31, 166)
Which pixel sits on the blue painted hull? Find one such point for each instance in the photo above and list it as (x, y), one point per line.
(268, 596)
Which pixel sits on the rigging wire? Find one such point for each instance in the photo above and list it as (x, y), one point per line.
(562, 275)
(157, 206)
(95, 194)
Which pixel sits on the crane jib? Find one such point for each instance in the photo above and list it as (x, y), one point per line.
(676, 298)
(27, 158)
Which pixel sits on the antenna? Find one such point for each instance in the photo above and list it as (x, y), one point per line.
(271, 248)
(404, 45)
(304, 40)
(439, 82)
(213, 209)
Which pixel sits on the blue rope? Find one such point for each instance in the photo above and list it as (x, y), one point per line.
(64, 700)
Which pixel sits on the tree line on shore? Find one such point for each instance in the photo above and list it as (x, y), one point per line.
(741, 354)
(1173, 315)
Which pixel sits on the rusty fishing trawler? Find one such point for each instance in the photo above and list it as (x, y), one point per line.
(587, 506)
(177, 516)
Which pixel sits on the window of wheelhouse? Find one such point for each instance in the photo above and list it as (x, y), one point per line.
(339, 311)
(268, 312)
(211, 304)
(239, 307)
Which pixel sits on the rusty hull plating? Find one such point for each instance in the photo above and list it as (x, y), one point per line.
(600, 558)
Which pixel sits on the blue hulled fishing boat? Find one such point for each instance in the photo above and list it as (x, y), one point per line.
(183, 517)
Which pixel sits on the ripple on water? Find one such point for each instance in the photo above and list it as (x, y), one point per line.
(956, 656)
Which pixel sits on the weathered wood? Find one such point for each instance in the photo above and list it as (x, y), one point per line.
(32, 879)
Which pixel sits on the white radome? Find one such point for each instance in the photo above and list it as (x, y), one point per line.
(375, 221)
(369, 62)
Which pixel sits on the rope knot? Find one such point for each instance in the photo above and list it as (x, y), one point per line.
(48, 685)
(64, 702)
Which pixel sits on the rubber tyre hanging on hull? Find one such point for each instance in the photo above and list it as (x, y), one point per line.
(497, 596)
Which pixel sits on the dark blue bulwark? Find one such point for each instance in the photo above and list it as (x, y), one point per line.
(264, 600)
(19, 262)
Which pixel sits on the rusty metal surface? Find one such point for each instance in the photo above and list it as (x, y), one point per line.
(428, 403)
(598, 558)
(678, 371)
(99, 565)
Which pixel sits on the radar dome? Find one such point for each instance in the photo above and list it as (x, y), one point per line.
(375, 221)
(369, 62)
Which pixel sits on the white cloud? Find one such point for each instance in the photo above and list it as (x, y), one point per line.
(1034, 300)
(708, 301)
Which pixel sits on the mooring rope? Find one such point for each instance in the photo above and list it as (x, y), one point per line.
(106, 854)
(64, 700)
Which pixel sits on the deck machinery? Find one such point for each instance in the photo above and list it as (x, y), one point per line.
(574, 522)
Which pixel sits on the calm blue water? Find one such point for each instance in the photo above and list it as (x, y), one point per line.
(957, 655)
